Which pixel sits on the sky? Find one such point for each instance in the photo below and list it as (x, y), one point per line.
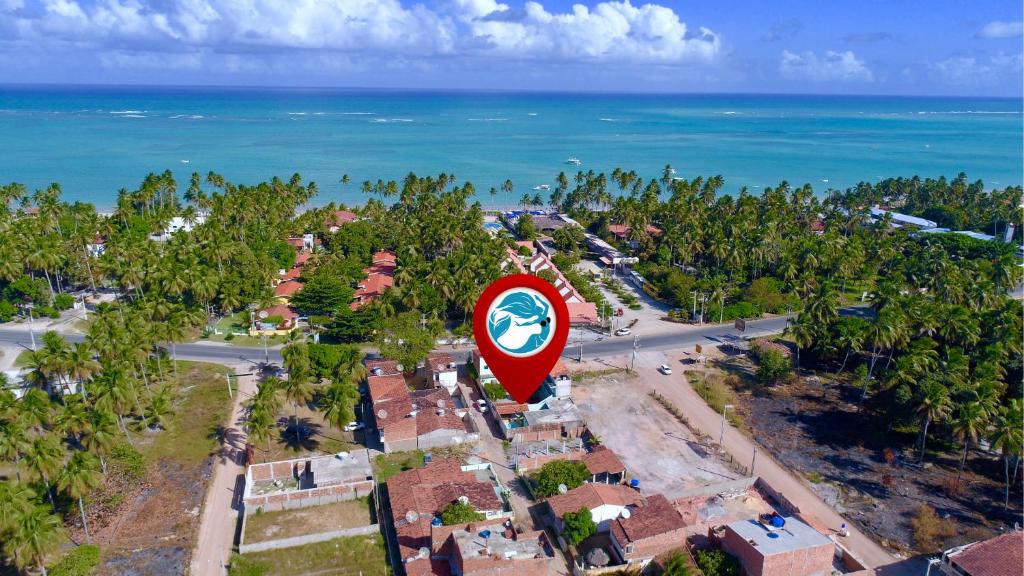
(906, 47)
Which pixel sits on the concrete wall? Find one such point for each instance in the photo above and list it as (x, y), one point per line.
(244, 548)
(810, 561)
(645, 550)
(305, 498)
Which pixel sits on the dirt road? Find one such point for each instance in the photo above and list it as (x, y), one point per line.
(741, 447)
(220, 509)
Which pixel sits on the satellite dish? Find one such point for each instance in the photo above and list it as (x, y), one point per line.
(400, 368)
(263, 314)
(463, 500)
(440, 403)
(411, 516)
(562, 488)
(625, 513)
(382, 414)
(424, 552)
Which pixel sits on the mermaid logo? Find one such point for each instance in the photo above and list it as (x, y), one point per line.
(520, 322)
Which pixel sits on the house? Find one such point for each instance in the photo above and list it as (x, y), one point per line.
(604, 465)
(385, 387)
(379, 277)
(278, 319)
(652, 529)
(606, 253)
(550, 419)
(416, 498)
(382, 366)
(285, 290)
(999, 556)
(580, 311)
(492, 548)
(483, 372)
(606, 502)
(421, 419)
(621, 233)
(304, 243)
(339, 218)
(177, 224)
(442, 371)
(777, 546)
(97, 247)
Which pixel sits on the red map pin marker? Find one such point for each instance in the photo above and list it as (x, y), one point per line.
(521, 324)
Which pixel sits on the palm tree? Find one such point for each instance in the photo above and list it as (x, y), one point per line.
(45, 456)
(934, 405)
(337, 403)
(36, 535)
(77, 478)
(970, 422)
(101, 434)
(159, 408)
(1008, 438)
(16, 499)
(13, 443)
(803, 334)
(298, 391)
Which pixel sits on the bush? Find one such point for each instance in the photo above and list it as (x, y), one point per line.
(459, 513)
(717, 563)
(229, 336)
(495, 391)
(579, 525)
(679, 564)
(79, 562)
(930, 531)
(129, 461)
(551, 475)
(63, 301)
(7, 311)
(772, 366)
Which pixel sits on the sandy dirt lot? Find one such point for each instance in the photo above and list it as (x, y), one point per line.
(654, 446)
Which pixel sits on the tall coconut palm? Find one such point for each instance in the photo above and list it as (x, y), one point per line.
(337, 403)
(16, 499)
(933, 405)
(36, 535)
(298, 390)
(1008, 438)
(968, 424)
(78, 477)
(45, 456)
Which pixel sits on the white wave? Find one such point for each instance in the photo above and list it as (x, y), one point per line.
(133, 116)
(127, 112)
(358, 113)
(388, 120)
(609, 119)
(297, 113)
(531, 113)
(730, 113)
(488, 119)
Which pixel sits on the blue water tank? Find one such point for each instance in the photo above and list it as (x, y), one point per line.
(427, 457)
(778, 521)
(634, 483)
(485, 534)
(436, 521)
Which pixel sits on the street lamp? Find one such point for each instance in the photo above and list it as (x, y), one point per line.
(31, 331)
(721, 436)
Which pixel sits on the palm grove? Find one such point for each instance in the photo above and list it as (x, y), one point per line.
(941, 350)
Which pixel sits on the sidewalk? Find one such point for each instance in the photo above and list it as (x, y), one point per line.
(219, 519)
(701, 416)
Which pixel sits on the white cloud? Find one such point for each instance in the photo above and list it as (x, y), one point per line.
(830, 67)
(999, 29)
(610, 31)
(970, 70)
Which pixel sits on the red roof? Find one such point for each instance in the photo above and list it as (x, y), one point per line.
(287, 289)
(999, 556)
(621, 230)
(387, 387)
(440, 362)
(301, 258)
(386, 366)
(656, 517)
(287, 314)
(292, 274)
(591, 496)
(434, 411)
(582, 313)
(339, 218)
(379, 277)
(603, 461)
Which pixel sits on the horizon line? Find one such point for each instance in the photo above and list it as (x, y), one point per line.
(537, 91)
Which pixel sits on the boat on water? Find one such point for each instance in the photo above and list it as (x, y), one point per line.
(574, 161)
(542, 188)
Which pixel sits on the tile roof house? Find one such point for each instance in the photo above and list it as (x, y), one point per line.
(605, 502)
(417, 496)
(604, 465)
(289, 321)
(386, 387)
(652, 529)
(999, 556)
(794, 549)
(421, 419)
(621, 231)
(379, 277)
(382, 366)
(580, 311)
(339, 218)
(442, 370)
(285, 290)
(493, 549)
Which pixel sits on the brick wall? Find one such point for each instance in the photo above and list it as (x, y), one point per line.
(810, 561)
(306, 498)
(647, 548)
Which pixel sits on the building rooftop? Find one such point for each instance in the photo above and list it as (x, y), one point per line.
(657, 516)
(441, 362)
(794, 535)
(593, 495)
(602, 460)
(418, 413)
(341, 468)
(497, 541)
(386, 366)
(559, 411)
(999, 556)
(387, 387)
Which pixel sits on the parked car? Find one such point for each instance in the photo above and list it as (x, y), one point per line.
(353, 426)
(664, 369)
(623, 332)
(481, 405)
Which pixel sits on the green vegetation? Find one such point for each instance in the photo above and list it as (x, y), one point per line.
(339, 557)
(495, 391)
(79, 562)
(459, 513)
(679, 564)
(571, 473)
(387, 465)
(578, 526)
(717, 563)
(717, 390)
(772, 365)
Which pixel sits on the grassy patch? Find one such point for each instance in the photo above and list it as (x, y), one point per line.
(358, 555)
(815, 478)
(22, 359)
(264, 526)
(588, 374)
(387, 465)
(201, 406)
(712, 387)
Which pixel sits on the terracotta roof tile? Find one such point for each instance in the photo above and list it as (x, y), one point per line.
(397, 424)
(386, 366)
(657, 516)
(999, 556)
(287, 289)
(387, 387)
(592, 496)
(603, 461)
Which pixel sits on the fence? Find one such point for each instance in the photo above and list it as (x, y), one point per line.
(244, 548)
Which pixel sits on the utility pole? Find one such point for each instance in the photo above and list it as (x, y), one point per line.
(228, 378)
(694, 313)
(31, 331)
(721, 436)
(636, 345)
(754, 459)
(580, 359)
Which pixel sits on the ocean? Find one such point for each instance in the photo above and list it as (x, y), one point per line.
(97, 140)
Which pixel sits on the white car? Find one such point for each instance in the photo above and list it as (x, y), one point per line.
(353, 426)
(664, 369)
(623, 332)
(481, 405)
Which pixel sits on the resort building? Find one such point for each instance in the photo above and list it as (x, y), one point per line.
(606, 253)
(652, 529)
(581, 312)
(606, 502)
(999, 556)
(339, 218)
(621, 233)
(417, 497)
(777, 546)
(97, 247)
(379, 277)
(902, 220)
(178, 224)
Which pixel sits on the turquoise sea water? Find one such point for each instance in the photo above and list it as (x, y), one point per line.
(95, 141)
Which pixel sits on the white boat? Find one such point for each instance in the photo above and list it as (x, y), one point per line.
(574, 161)
(542, 188)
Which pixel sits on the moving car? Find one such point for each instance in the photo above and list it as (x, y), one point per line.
(353, 426)
(664, 369)
(623, 332)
